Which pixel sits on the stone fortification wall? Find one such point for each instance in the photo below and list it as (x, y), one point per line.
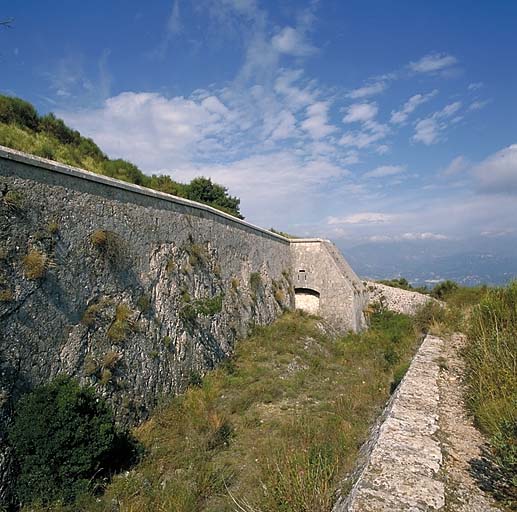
(324, 282)
(396, 299)
(138, 292)
(134, 291)
(402, 459)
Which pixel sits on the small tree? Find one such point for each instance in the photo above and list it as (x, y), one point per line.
(63, 436)
(205, 191)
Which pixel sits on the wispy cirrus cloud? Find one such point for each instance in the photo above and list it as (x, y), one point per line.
(384, 171)
(367, 90)
(400, 116)
(363, 218)
(428, 130)
(433, 63)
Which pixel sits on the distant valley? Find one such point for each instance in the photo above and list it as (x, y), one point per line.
(468, 262)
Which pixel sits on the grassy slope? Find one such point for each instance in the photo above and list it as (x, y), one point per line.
(491, 357)
(275, 429)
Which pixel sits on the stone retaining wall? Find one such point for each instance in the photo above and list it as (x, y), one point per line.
(396, 299)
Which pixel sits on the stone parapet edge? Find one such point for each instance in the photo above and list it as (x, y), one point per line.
(35, 161)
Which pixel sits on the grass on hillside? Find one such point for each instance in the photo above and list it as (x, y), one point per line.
(274, 429)
(491, 356)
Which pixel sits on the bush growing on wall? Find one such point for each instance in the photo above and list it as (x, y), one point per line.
(64, 437)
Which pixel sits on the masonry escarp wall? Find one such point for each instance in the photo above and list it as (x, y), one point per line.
(134, 291)
(141, 290)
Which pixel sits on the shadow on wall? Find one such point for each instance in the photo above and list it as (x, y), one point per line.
(307, 300)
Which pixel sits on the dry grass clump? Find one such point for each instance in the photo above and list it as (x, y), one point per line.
(111, 359)
(108, 244)
(94, 311)
(35, 264)
(121, 325)
(6, 295)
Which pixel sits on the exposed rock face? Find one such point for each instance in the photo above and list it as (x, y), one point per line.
(396, 299)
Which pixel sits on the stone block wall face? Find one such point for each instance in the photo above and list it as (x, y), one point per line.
(137, 294)
(319, 266)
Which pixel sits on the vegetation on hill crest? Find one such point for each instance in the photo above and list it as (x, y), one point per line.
(23, 129)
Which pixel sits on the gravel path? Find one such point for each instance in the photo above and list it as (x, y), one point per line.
(461, 441)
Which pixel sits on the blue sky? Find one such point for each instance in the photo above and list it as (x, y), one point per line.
(362, 121)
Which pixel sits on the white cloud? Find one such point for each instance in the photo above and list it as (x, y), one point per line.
(174, 25)
(498, 173)
(433, 63)
(424, 236)
(475, 86)
(296, 97)
(362, 218)
(449, 110)
(360, 112)
(316, 123)
(367, 90)
(292, 41)
(372, 132)
(399, 116)
(382, 149)
(385, 170)
(478, 104)
(457, 165)
(428, 130)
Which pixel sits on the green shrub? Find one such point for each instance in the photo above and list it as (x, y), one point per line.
(13, 199)
(200, 307)
(18, 111)
(428, 314)
(53, 227)
(64, 438)
(255, 282)
(144, 303)
(442, 290)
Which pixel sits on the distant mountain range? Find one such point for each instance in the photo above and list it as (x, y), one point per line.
(425, 262)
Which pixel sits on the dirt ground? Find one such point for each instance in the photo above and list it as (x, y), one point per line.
(462, 443)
